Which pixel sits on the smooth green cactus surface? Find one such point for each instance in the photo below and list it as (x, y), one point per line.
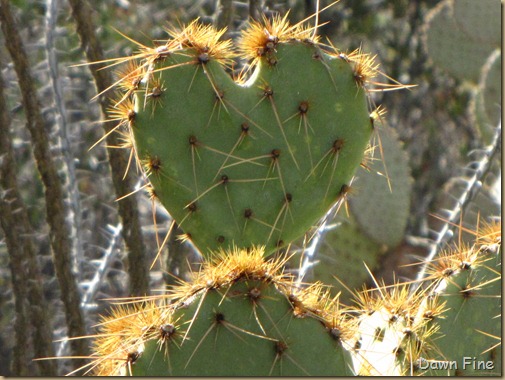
(381, 205)
(463, 28)
(253, 163)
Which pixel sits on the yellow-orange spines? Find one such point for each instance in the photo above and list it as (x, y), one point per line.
(396, 299)
(452, 260)
(378, 113)
(122, 112)
(125, 335)
(225, 267)
(489, 235)
(462, 256)
(394, 331)
(130, 76)
(365, 67)
(261, 37)
(206, 40)
(122, 335)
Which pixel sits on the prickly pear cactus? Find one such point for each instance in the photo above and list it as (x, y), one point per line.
(240, 316)
(343, 256)
(239, 163)
(463, 37)
(463, 28)
(381, 205)
(259, 160)
(469, 285)
(448, 326)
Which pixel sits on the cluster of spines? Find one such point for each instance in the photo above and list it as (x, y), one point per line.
(259, 40)
(461, 256)
(389, 330)
(468, 277)
(203, 41)
(228, 267)
(394, 330)
(127, 330)
(413, 315)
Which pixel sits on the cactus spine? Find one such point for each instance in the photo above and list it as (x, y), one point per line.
(242, 308)
(448, 326)
(239, 309)
(468, 282)
(257, 161)
(247, 162)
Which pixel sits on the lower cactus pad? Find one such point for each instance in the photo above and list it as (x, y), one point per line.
(240, 317)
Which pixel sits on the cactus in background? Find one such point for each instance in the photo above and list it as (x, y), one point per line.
(376, 219)
(247, 162)
(342, 255)
(463, 28)
(382, 202)
(485, 105)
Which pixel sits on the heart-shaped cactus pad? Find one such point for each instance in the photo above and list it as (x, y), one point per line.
(256, 160)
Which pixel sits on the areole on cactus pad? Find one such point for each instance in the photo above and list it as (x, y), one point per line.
(243, 315)
(240, 163)
(239, 316)
(243, 164)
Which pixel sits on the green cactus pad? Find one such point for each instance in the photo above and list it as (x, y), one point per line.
(381, 209)
(343, 254)
(253, 163)
(470, 341)
(480, 20)
(459, 38)
(239, 317)
(485, 109)
(232, 335)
